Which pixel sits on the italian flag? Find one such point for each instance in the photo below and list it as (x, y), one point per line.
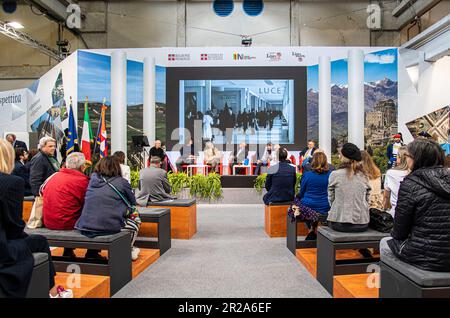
(87, 136)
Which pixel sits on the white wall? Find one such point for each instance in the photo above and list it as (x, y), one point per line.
(141, 24)
(201, 17)
(432, 94)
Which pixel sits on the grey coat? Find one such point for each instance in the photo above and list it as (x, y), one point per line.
(349, 198)
(153, 186)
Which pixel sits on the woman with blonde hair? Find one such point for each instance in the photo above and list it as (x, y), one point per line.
(212, 156)
(374, 174)
(16, 247)
(348, 193)
(393, 179)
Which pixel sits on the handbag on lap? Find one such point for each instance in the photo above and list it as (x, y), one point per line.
(301, 212)
(36, 214)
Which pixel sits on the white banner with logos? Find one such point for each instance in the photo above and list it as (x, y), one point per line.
(13, 111)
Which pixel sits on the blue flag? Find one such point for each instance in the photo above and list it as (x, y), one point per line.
(72, 138)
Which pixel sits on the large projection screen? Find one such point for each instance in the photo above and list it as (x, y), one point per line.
(255, 104)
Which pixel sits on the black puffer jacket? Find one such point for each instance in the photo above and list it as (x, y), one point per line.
(422, 220)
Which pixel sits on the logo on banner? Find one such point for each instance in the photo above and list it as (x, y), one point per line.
(243, 57)
(299, 56)
(274, 56)
(211, 56)
(179, 57)
(11, 99)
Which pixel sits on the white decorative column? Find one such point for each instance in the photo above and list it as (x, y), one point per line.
(119, 101)
(208, 94)
(149, 106)
(325, 105)
(356, 97)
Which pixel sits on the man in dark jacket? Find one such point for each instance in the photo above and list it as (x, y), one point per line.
(421, 233)
(280, 181)
(21, 169)
(309, 150)
(43, 165)
(16, 143)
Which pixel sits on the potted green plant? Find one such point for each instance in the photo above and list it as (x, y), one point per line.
(178, 181)
(260, 183)
(134, 179)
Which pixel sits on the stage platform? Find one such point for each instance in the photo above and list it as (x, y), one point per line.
(239, 181)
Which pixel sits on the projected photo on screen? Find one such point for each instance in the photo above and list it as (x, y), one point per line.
(252, 111)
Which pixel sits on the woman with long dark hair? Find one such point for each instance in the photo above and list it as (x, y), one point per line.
(421, 233)
(105, 209)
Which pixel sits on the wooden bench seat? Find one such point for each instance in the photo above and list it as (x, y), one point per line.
(159, 218)
(91, 286)
(296, 229)
(275, 220)
(402, 280)
(308, 258)
(118, 246)
(356, 286)
(330, 241)
(27, 206)
(183, 219)
(146, 258)
(39, 284)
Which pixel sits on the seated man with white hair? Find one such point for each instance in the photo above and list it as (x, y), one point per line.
(64, 194)
(43, 164)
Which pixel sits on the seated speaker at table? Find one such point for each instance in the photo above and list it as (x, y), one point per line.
(212, 156)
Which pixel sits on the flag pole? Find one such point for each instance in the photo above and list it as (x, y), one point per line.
(98, 128)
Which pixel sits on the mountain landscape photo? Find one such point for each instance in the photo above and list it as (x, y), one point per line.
(374, 94)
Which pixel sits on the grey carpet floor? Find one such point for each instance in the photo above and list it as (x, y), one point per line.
(230, 256)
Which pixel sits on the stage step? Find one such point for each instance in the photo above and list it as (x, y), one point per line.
(146, 258)
(355, 286)
(91, 286)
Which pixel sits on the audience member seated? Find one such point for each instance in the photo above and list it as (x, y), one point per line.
(238, 157)
(280, 180)
(265, 159)
(421, 233)
(16, 247)
(12, 139)
(153, 184)
(313, 192)
(212, 156)
(392, 181)
(21, 169)
(105, 205)
(125, 169)
(309, 150)
(187, 155)
(43, 165)
(348, 193)
(374, 174)
(158, 151)
(306, 164)
(64, 196)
